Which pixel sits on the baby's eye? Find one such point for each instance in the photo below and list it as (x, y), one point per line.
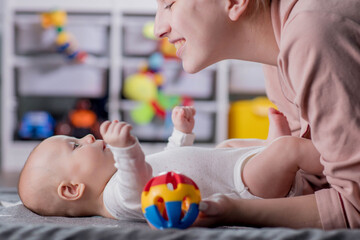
(76, 145)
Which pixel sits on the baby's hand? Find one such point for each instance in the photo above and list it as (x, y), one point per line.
(183, 118)
(117, 134)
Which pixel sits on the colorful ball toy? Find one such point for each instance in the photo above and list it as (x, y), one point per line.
(171, 200)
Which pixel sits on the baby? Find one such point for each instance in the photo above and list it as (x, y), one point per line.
(66, 176)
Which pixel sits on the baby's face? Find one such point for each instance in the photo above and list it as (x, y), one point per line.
(84, 160)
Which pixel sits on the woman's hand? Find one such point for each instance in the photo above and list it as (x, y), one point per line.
(291, 212)
(217, 210)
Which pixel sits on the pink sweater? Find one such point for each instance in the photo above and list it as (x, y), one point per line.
(317, 86)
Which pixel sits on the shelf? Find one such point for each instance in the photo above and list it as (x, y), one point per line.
(246, 78)
(133, 6)
(202, 106)
(58, 60)
(26, 70)
(29, 18)
(17, 153)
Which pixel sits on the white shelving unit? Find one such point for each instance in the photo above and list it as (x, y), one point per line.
(14, 151)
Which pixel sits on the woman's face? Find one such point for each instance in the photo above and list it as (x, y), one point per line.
(197, 28)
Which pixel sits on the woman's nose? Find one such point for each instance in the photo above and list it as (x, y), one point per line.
(89, 138)
(162, 27)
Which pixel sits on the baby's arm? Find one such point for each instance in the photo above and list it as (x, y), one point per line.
(183, 120)
(133, 171)
(117, 134)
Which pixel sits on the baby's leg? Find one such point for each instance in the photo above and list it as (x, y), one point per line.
(279, 125)
(241, 142)
(270, 174)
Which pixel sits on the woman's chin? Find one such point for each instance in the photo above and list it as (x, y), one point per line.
(191, 66)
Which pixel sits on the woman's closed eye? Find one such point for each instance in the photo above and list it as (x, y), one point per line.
(169, 5)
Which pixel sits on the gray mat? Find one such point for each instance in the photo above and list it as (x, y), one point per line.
(18, 214)
(17, 222)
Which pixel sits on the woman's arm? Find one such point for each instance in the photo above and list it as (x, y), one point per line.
(295, 212)
(321, 77)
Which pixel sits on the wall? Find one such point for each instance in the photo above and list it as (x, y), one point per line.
(1, 25)
(1, 14)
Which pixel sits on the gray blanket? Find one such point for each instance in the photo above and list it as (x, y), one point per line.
(17, 222)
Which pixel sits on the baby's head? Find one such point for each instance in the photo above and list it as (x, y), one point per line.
(65, 176)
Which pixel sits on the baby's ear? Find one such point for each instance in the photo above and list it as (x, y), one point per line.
(70, 191)
(236, 8)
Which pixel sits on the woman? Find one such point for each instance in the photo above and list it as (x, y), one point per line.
(311, 53)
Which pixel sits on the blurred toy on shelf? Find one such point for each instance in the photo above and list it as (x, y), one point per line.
(146, 85)
(148, 30)
(145, 88)
(80, 121)
(167, 49)
(170, 200)
(65, 42)
(36, 125)
(249, 118)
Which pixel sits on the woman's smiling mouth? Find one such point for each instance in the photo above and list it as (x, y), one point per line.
(179, 45)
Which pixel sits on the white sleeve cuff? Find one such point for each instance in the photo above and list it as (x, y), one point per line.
(178, 139)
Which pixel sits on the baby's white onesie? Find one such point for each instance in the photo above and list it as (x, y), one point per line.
(214, 170)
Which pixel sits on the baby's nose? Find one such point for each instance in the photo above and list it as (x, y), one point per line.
(90, 138)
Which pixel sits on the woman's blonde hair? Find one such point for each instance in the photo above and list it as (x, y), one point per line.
(258, 5)
(262, 4)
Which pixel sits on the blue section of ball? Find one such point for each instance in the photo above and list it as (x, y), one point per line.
(173, 210)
